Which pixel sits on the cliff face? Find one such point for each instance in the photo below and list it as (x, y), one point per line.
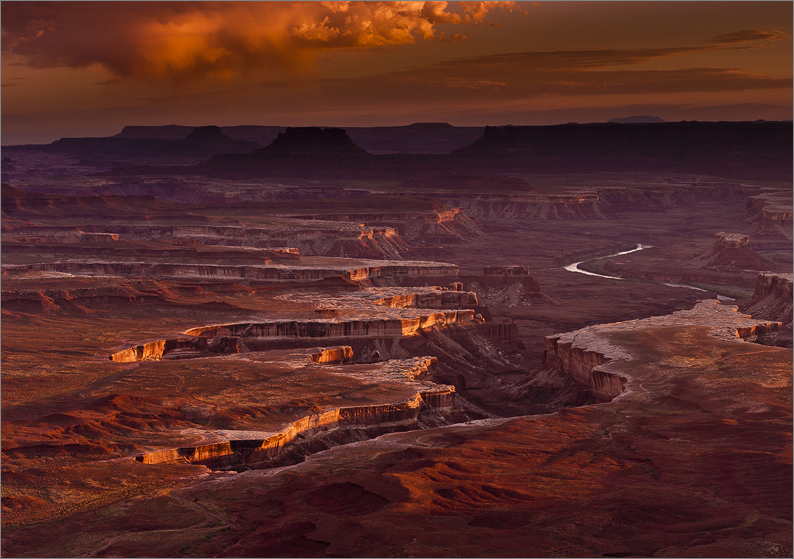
(593, 203)
(275, 272)
(585, 354)
(536, 206)
(179, 349)
(505, 286)
(772, 213)
(336, 328)
(435, 299)
(366, 313)
(235, 338)
(339, 354)
(772, 298)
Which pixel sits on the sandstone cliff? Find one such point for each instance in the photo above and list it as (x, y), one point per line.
(364, 270)
(335, 328)
(772, 299)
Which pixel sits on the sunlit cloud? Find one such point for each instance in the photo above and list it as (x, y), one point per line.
(186, 40)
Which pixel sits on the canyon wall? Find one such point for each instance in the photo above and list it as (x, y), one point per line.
(340, 354)
(275, 272)
(772, 213)
(179, 349)
(772, 298)
(332, 328)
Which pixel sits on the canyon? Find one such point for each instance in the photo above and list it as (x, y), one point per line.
(319, 342)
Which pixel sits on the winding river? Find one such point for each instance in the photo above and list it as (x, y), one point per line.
(575, 268)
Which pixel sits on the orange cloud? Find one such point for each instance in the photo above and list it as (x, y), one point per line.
(186, 40)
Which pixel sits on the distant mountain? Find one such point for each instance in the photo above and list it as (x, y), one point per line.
(419, 137)
(168, 132)
(136, 143)
(312, 142)
(645, 119)
(208, 135)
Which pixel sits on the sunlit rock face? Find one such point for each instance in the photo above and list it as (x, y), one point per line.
(389, 313)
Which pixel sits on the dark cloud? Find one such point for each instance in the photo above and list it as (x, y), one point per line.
(748, 36)
(499, 86)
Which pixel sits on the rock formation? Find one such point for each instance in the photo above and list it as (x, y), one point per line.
(771, 212)
(505, 287)
(207, 135)
(732, 250)
(387, 313)
(772, 299)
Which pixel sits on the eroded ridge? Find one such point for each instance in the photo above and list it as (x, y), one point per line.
(585, 354)
(370, 313)
(358, 270)
(237, 451)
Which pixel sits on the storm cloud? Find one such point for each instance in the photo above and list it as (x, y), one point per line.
(184, 40)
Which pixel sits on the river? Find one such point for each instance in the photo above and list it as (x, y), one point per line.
(575, 268)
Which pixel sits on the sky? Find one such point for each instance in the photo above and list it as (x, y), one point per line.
(73, 69)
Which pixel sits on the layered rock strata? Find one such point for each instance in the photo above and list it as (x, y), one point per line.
(602, 202)
(335, 328)
(772, 213)
(505, 286)
(358, 271)
(772, 298)
(240, 452)
(450, 225)
(371, 313)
